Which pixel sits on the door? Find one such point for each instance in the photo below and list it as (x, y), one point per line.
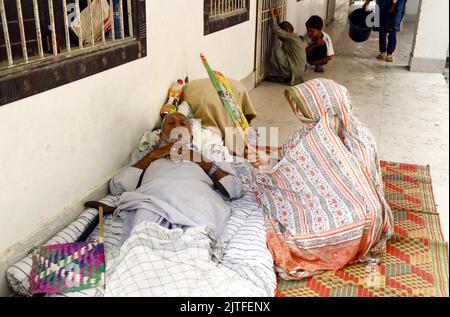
(265, 38)
(330, 11)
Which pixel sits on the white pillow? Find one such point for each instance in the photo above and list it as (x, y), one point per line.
(202, 138)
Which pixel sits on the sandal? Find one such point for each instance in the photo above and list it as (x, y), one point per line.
(382, 56)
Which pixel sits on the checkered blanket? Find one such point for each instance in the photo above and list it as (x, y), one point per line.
(157, 262)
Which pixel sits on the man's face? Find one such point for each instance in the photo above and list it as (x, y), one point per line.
(175, 127)
(314, 33)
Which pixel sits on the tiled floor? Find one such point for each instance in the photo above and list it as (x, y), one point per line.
(407, 112)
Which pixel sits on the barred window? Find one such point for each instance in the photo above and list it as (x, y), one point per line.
(48, 43)
(222, 14)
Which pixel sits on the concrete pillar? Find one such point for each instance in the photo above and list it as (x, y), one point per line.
(429, 52)
(412, 7)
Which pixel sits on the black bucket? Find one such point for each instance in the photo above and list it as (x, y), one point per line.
(359, 31)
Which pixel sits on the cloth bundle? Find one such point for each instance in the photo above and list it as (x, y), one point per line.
(324, 201)
(206, 104)
(91, 24)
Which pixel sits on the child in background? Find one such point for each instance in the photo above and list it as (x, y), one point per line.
(288, 61)
(391, 14)
(320, 47)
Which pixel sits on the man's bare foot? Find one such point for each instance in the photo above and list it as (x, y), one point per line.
(96, 205)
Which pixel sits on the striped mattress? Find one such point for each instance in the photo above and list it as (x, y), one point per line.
(244, 243)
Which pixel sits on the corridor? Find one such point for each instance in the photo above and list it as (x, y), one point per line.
(407, 112)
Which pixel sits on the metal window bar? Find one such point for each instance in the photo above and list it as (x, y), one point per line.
(91, 22)
(78, 12)
(6, 33)
(226, 7)
(66, 25)
(130, 19)
(111, 15)
(52, 27)
(23, 39)
(103, 26)
(38, 29)
(57, 17)
(122, 28)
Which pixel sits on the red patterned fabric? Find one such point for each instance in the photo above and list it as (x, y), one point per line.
(322, 200)
(313, 99)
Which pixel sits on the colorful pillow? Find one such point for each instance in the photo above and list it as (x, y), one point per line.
(65, 268)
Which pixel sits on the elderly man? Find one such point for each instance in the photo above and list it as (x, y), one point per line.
(174, 185)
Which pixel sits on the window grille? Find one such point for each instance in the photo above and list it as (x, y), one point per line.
(54, 27)
(45, 44)
(222, 14)
(220, 8)
(265, 36)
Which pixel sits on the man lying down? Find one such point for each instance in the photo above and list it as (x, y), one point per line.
(173, 185)
(181, 237)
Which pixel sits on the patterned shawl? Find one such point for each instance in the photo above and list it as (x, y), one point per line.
(324, 201)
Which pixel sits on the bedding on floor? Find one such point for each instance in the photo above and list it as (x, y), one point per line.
(321, 208)
(160, 262)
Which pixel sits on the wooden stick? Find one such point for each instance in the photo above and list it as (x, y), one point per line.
(100, 220)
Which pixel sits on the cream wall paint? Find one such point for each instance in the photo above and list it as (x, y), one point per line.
(299, 12)
(57, 146)
(340, 3)
(412, 6)
(432, 30)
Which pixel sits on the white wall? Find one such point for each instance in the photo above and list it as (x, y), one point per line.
(231, 51)
(299, 12)
(57, 146)
(340, 3)
(431, 43)
(412, 7)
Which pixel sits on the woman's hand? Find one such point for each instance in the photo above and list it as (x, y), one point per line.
(259, 159)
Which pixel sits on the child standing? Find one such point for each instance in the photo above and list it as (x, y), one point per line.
(391, 13)
(320, 47)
